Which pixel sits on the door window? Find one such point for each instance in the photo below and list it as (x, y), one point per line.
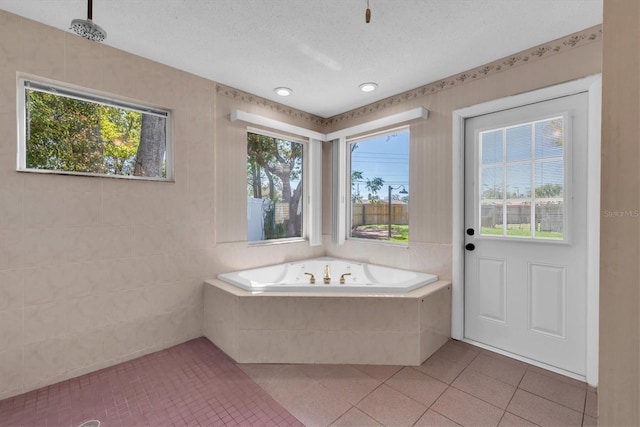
(521, 178)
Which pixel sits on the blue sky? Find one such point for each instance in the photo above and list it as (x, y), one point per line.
(385, 156)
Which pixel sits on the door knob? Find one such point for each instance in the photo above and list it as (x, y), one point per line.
(470, 246)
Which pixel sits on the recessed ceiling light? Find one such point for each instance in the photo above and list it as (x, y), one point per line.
(283, 91)
(368, 87)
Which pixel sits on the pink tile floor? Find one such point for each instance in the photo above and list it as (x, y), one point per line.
(196, 384)
(191, 384)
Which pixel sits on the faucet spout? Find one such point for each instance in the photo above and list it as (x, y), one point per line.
(342, 277)
(327, 278)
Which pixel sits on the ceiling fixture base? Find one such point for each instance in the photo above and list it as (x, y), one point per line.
(283, 91)
(368, 87)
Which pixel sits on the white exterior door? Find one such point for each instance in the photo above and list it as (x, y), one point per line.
(526, 231)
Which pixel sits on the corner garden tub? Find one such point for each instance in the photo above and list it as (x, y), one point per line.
(353, 312)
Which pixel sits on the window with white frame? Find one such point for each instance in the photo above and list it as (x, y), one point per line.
(275, 187)
(379, 186)
(65, 130)
(522, 180)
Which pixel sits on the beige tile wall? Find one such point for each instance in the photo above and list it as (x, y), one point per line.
(619, 388)
(281, 328)
(221, 319)
(94, 271)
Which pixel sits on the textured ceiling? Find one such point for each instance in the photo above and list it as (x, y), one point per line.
(322, 49)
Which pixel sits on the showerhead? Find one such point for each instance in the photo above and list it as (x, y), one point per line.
(86, 28)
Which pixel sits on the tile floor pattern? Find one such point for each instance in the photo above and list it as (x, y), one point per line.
(459, 385)
(191, 384)
(197, 384)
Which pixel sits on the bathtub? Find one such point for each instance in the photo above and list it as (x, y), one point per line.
(379, 316)
(344, 276)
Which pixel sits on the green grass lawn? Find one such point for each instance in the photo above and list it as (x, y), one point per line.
(519, 230)
(399, 233)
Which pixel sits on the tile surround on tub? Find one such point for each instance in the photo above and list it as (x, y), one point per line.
(434, 258)
(315, 328)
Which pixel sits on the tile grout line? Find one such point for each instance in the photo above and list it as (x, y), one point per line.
(399, 391)
(549, 400)
(541, 397)
(535, 394)
(504, 411)
(513, 395)
(491, 378)
(442, 415)
(341, 415)
(392, 388)
(466, 366)
(584, 407)
(445, 390)
(377, 387)
(421, 415)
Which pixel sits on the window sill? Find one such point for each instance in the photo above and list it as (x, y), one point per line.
(378, 242)
(278, 242)
(94, 175)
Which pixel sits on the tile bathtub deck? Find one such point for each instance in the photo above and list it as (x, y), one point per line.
(196, 384)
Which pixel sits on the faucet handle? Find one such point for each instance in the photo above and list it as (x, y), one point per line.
(342, 277)
(312, 279)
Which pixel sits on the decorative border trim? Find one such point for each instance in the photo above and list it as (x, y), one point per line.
(248, 98)
(536, 53)
(578, 39)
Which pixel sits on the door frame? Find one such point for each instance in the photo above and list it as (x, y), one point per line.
(593, 86)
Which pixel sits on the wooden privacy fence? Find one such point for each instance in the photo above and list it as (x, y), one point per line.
(378, 213)
(549, 216)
